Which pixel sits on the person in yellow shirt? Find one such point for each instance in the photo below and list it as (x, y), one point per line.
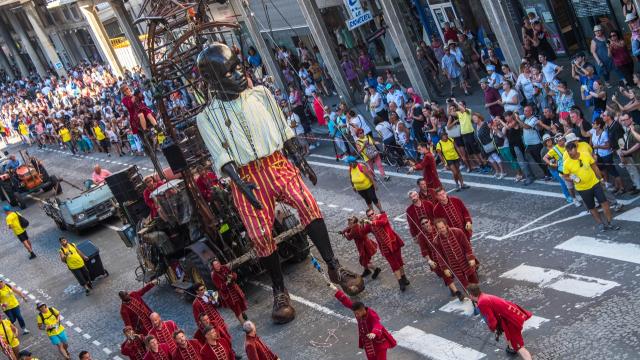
(49, 321)
(8, 335)
(23, 131)
(11, 306)
(581, 168)
(446, 148)
(26, 355)
(75, 261)
(65, 136)
(363, 182)
(101, 138)
(13, 222)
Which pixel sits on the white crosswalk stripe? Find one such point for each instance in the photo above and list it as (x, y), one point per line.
(466, 308)
(554, 279)
(630, 215)
(603, 248)
(434, 347)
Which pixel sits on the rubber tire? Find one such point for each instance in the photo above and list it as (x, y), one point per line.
(21, 201)
(62, 226)
(193, 262)
(52, 183)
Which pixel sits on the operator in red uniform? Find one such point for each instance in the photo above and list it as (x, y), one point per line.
(163, 331)
(230, 292)
(216, 348)
(389, 242)
(455, 257)
(373, 337)
(133, 345)
(418, 209)
(134, 311)
(454, 211)
(505, 316)
(186, 349)
(428, 167)
(205, 304)
(365, 246)
(255, 348)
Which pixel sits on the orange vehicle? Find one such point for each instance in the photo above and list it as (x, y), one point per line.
(30, 177)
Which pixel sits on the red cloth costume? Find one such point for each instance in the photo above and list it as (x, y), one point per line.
(318, 109)
(146, 195)
(257, 350)
(220, 351)
(164, 334)
(205, 183)
(456, 214)
(509, 316)
(189, 352)
(454, 253)
(198, 335)
(231, 295)
(7, 350)
(163, 353)
(375, 349)
(429, 195)
(200, 306)
(134, 349)
(136, 312)
(276, 178)
(427, 243)
(389, 242)
(130, 103)
(366, 247)
(417, 212)
(429, 170)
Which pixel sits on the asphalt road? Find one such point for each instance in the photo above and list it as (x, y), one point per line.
(534, 250)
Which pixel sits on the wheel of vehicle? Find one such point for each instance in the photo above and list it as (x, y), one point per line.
(61, 225)
(199, 271)
(21, 201)
(53, 181)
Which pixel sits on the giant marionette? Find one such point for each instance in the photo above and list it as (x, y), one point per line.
(249, 138)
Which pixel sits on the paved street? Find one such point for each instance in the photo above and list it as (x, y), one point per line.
(533, 248)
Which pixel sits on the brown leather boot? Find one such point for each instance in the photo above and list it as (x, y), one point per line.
(350, 282)
(282, 312)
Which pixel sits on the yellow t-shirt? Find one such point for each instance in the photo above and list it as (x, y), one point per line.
(8, 298)
(359, 179)
(14, 223)
(24, 129)
(7, 334)
(50, 318)
(466, 126)
(74, 260)
(99, 134)
(65, 135)
(581, 168)
(448, 149)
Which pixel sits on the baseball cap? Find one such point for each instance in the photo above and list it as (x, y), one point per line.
(6, 207)
(350, 159)
(597, 28)
(546, 137)
(491, 68)
(40, 304)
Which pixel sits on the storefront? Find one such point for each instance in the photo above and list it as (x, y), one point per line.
(570, 22)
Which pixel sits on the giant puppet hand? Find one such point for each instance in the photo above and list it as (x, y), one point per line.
(293, 151)
(246, 188)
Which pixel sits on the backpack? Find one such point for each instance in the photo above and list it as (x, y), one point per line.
(24, 223)
(53, 311)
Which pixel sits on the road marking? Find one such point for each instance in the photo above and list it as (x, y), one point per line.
(318, 307)
(447, 181)
(537, 219)
(117, 358)
(441, 171)
(31, 297)
(401, 218)
(434, 347)
(96, 342)
(319, 203)
(107, 351)
(603, 248)
(347, 209)
(77, 329)
(630, 215)
(86, 336)
(466, 308)
(69, 323)
(580, 285)
(112, 227)
(500, 238)
(333, 206)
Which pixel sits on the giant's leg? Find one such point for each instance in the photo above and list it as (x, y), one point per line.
(258, 224)
(296, 194)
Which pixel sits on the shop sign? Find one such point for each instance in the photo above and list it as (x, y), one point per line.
(354, 7)
(58, 65)
(359, 20)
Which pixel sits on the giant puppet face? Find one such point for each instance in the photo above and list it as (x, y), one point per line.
(222, 70)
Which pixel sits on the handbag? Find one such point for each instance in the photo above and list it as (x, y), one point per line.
(24, 223)
(370, 150)
(455, 131)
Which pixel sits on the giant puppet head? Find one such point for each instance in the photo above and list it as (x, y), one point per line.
(222, 70)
